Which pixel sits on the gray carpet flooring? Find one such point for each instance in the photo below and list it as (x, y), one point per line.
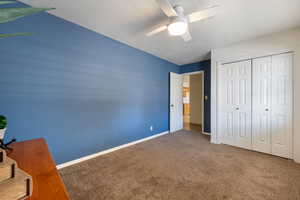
(183, 166)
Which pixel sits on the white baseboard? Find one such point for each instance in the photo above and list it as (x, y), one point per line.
(213, 140)
(205, 133)
(72, 162)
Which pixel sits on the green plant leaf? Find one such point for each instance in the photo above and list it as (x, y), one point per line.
(13, 34)
(6, 2)
(11, 14)
(3, 122)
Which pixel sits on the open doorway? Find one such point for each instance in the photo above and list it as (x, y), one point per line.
(187, 101)
(193, 101)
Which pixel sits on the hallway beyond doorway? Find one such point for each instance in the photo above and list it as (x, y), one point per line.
(193, 97)
(187, 125)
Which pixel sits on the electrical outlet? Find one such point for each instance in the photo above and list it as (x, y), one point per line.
(151, 128)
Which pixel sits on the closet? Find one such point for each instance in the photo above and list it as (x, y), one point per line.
(255, 104)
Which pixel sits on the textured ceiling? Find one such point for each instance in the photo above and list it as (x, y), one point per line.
(128, 21)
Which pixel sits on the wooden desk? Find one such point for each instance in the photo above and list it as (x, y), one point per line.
(33, 157)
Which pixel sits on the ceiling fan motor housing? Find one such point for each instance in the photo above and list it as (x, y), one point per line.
(178, 24)
(179, 10)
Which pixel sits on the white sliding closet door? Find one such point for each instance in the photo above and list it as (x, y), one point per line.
(255, 104)
(261, 121)
(272, 105)
(227, 103)
(243, 105)
(281, 105)
(235, 104)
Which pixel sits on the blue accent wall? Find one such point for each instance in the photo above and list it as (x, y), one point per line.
(80, 90)
(202, 66)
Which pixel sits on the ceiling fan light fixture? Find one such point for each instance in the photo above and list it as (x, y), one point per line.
(177, 28)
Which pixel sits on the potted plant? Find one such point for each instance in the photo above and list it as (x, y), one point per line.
(3, 125)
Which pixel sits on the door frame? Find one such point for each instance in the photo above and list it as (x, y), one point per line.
(203, 97)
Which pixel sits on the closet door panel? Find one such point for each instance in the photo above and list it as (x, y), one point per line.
(261, 115)
(282, 105)
(243, 105)
(226, 102)
(235, 104)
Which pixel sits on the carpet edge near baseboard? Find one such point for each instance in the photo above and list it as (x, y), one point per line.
(73, 162)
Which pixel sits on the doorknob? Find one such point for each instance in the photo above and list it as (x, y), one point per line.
(171, 105)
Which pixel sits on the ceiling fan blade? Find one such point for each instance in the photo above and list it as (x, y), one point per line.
(157, 30)
(203, 14)
(167, 8)
(187, 36)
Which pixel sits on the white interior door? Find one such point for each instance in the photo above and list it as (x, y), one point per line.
(243, 97)
(261, 116)
(234, 104)
(176, 102)
(282, 105)
(226, 103)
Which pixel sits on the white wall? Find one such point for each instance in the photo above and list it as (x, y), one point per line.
(196, 98)
(186, 80)
(297, 104)
(272, 44)
(186, 83)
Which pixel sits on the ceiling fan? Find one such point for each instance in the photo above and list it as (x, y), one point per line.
(179, 23)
